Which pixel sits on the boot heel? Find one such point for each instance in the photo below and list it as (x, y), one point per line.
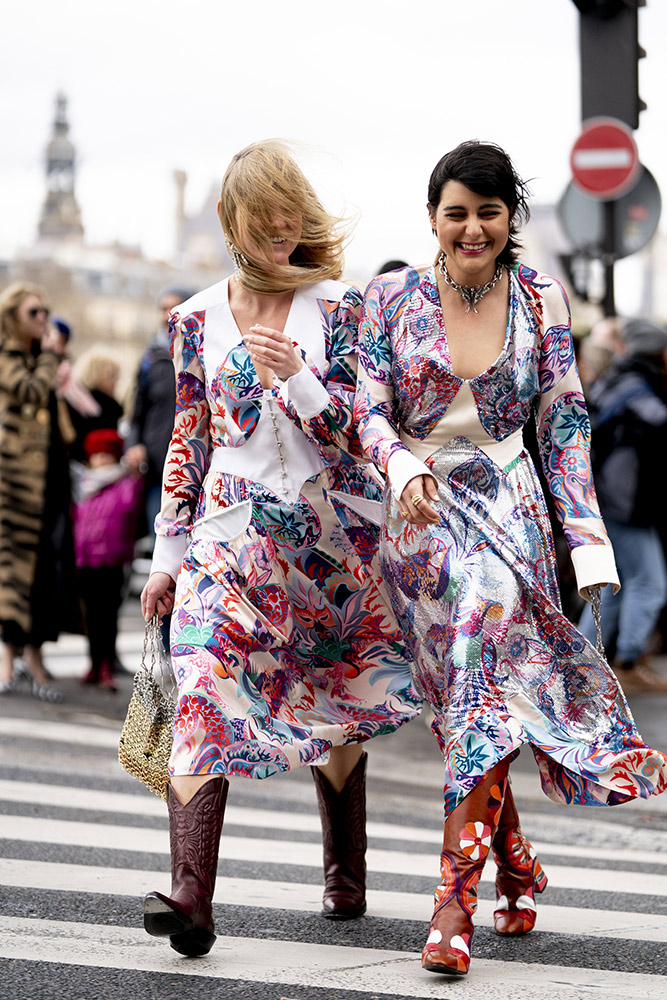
(540, 881)
(343, 819)
(186, 915)
(192, 944)
(162, 918)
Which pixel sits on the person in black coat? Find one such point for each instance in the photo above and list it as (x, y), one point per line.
(154, 405)
(628, 409)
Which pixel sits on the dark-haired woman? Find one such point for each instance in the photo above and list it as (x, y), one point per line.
(453, 362)
(284, 648)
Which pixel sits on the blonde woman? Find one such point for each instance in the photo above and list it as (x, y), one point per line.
(284, 649)
(96, 373)
(37, 590)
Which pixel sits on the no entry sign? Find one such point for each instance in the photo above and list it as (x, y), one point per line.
(604, 159)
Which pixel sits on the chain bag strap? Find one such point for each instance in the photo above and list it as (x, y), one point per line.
(146, 740)
(595, 598)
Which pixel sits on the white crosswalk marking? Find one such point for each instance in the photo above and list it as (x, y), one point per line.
(368, 970)
(94, 837)
(302, 896)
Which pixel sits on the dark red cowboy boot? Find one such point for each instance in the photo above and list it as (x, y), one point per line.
(343, 818)
(186, 916)
(519, 875)
(469, 830)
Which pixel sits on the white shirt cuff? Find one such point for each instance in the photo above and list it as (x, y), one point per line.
(594, 564)
(168, 554)
(306, 393)
(402, 467)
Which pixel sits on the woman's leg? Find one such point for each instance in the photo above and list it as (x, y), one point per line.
(187, 785)
(519, 874)
(469, 830)
(644, 588)
(32, 657)
(341, 796)
(7, 654)
(342, 762)
(195, 825)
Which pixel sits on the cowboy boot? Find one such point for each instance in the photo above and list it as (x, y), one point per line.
(519, 875)
(186, 916)
(469, 830)
(343, 818)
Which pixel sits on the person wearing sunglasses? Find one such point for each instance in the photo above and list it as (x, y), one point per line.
(37, 590)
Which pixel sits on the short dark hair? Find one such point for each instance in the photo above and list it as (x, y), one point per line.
(487, 170)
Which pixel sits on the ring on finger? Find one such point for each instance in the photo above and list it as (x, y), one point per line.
(417, 499)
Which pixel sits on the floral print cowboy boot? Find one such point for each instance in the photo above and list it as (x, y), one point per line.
(469, 830)
(519, 876)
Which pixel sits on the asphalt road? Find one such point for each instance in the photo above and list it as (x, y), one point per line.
(81, 842)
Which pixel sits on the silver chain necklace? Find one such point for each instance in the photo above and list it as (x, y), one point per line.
(471, 294)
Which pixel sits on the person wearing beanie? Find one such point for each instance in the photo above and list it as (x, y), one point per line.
(109, 496)
(628, 410)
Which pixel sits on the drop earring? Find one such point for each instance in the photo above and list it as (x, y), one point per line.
(238, 259)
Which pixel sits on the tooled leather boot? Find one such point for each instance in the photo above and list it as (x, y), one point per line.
(343, 818)
(469, 830)
(519, 874)
(186, 916)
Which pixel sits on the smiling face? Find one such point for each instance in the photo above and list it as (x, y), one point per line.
(285, 238)
(472, 229)
(281, 234)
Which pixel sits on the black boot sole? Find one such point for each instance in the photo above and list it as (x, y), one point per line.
(162, 919)
(442, 970)
(344, 914)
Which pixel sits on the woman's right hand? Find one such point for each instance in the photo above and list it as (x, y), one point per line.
(421, 512)
(158, 596)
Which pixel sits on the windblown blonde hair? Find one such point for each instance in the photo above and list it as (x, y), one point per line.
(10, 301)
(261, 183)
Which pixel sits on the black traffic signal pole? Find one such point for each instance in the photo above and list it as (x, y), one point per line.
(609, 257)
(610, 54)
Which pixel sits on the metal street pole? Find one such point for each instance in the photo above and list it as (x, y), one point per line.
(609, 256)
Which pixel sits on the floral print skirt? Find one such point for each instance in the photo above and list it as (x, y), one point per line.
(494, 655)
(283, 641)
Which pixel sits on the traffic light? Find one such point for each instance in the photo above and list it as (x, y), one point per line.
(610, 54)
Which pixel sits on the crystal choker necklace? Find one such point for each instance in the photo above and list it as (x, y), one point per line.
(471, 294)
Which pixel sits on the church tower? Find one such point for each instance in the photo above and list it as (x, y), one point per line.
(61, 215)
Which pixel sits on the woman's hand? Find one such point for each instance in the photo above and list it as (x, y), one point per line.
(158, 596)
(421, 512)
(274, 350)
(52, 341)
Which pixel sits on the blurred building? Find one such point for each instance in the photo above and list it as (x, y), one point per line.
(108, 292)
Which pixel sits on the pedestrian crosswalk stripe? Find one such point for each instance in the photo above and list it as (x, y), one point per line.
(261, 960)
(281, 852)
(307, 898)
(429, 776)
(58, 732)
(266, 819)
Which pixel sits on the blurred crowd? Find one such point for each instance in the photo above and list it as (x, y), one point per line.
(623, 367)
(80, 474)
(81, 469)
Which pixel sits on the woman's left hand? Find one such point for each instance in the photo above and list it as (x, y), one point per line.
(274, 350)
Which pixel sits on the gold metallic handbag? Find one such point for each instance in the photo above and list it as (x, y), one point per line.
(147, 736)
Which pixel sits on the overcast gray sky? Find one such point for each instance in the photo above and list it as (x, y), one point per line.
(377, 92)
